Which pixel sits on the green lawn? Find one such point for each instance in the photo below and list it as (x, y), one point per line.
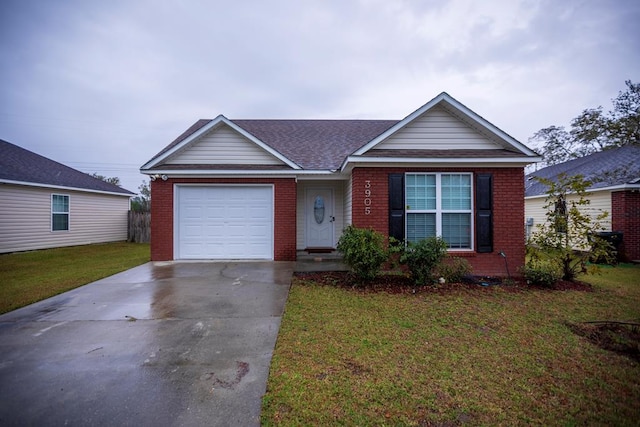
(28, 277)
(480, 356)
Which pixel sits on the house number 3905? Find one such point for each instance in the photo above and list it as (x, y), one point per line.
(367, 197)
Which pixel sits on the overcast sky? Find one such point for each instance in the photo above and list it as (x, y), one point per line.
(102, 86)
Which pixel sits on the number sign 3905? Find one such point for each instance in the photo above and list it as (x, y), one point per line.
(367, 197)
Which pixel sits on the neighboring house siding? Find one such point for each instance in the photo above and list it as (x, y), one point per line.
(437, 129)
(162, 212)
(25, 218)
(223, 145)
(508, 212)
(338, 195)
(600, 201)
(533, 208)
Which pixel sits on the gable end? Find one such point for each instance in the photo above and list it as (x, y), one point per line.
(222, 145)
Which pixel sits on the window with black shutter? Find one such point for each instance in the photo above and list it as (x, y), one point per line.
(396, 206)
(484, 215)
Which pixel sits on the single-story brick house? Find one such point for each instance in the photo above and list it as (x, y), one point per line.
(45, 204)
(267, 189)
(615, 176)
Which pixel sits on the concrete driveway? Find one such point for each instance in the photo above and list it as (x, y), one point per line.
(161, 344)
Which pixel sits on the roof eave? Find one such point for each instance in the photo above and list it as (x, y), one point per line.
(206, 128)
(67, 188)
(619, 187)
(216, 173)
(435, 162)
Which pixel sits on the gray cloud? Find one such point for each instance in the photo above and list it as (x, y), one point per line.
(103, 86)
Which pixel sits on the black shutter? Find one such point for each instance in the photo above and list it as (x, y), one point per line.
(484, 216)
(396, 205)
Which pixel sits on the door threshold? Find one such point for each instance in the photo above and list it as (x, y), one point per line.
(319, 250)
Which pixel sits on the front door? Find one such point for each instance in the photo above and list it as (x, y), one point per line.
(320, 217)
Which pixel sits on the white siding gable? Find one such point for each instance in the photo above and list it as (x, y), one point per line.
(223, 146)
(437, 129)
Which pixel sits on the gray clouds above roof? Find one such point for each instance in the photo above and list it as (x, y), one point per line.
(110, 82)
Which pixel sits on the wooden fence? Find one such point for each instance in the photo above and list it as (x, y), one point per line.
(139, 227)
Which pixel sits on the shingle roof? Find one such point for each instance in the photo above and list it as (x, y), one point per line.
(18, 164)
(608, 168)
(312, 144)
(315, 144)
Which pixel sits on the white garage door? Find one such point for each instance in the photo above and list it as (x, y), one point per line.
(224, 222)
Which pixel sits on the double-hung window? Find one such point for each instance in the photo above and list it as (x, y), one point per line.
(59, 212)
(439, 204)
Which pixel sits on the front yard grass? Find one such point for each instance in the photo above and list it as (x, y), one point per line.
(475, 356)
(28, 277)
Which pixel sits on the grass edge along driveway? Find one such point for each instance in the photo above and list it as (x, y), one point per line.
(28, 277)
(486, 356)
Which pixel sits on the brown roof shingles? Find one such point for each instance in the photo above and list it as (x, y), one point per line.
(325, 144)
(315, 144)
(311, 144)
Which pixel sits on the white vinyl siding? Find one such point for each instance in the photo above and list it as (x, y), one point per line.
(600, 202)
(437, 129)
(223, 145)
(348, 204)
(301, 212)
(25, 219)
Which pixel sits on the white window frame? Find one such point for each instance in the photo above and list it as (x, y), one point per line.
(439, 211)
(68, 212)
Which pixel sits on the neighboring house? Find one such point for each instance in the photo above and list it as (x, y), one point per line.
(44, 204)
(615, 174)
(267, 189)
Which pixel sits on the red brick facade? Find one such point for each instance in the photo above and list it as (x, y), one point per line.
(162, 209)
(371, 209)
(625, 217)
(370, 206)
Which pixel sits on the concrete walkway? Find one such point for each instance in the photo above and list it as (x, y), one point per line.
(164, 344)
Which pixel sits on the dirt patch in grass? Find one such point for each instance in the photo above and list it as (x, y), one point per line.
(403, 284)
(617, 337)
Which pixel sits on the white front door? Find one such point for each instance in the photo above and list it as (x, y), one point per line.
(320, 218)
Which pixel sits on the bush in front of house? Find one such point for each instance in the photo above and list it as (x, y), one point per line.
(453, 269)
(363, 250)
(421, 258)
(542, 273)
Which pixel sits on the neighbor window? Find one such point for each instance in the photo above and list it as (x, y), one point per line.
(439, 204)
(59, 212)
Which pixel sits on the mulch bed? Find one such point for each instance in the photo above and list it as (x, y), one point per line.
(401, 284)
(622, 338)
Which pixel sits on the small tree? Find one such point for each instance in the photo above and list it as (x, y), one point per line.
(567, 236)
(110, 179)
(142, 202)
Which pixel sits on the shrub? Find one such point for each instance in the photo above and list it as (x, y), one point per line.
(422, 257)
(453, 269)
(542, 273)
(362, 250)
